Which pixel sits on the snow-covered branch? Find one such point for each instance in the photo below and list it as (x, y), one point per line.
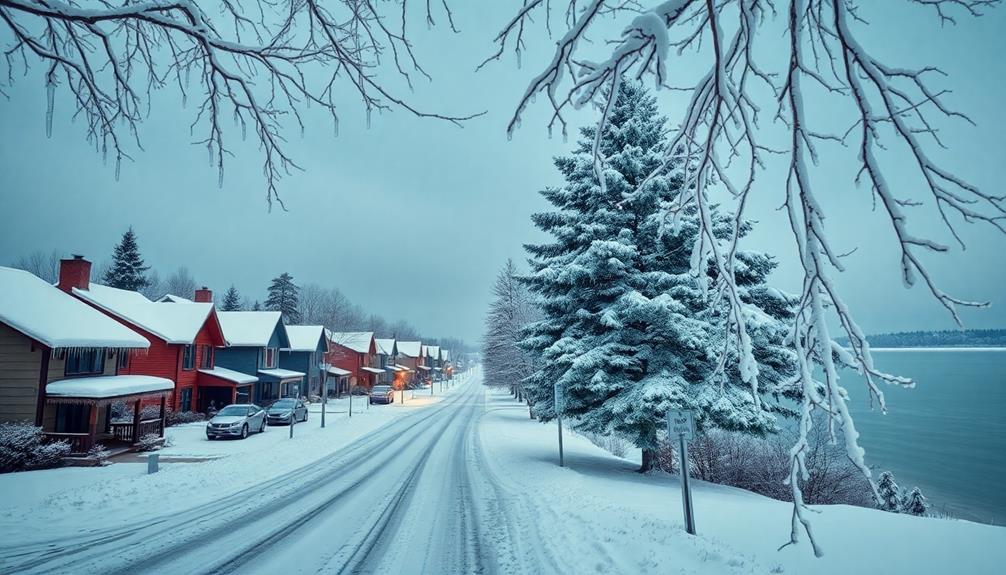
(261, 63)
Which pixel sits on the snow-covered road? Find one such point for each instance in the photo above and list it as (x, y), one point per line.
(399, 500)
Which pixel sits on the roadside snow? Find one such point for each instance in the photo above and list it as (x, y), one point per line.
(50, 503)
(606, 518)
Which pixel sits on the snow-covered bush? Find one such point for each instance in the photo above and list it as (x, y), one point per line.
(915, 503)
(612, 443)
(149, 442)
(23, 447)
(761, 465)
(889, 492)
(173, 417)
(99, 452)
(314, 398)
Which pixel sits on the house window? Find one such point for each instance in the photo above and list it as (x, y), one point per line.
(85, 362)
(189, 357)
(206, 360)
(269, 357)
(72, 418)
(123, 360)
(185, 400)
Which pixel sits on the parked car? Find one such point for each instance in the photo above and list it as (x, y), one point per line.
(360, 390)
(382, 394)
(237, 420)
(287, 411)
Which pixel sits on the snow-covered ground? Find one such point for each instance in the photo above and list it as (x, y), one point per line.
(600, 516)
(468, 485)
(115, 495)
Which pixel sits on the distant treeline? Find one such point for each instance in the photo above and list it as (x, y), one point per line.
(945, 338)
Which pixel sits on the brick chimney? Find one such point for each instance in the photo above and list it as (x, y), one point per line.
(204, 294)
(74, 273)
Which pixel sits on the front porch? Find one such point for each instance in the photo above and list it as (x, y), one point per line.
(80, 412)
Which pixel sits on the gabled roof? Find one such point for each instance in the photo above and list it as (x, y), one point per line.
(410, 348)
(56, 319)
(171, 298)
(445, 354)
(358, 341)
(306, 337)
(433, 351)
(179, 323)
(385, 346)
(252, 328)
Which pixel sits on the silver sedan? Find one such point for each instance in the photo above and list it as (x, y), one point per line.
(236, 420)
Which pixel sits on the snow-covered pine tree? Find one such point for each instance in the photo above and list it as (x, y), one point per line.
(915, 503)
(506, 363)
(127, 270)
(628, 333)
(283, 298)
(256, 306)
(889, 492)
(232, 300)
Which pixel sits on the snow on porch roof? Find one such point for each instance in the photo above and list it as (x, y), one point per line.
(281, 373)
(230, 375)
(108, 386)
(179, 323)
(403, 367)
(338, 371)
(373, 369)
(55, 318)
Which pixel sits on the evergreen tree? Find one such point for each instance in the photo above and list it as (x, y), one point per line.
(628, 333)
(232, 300)
(889, 492)
(256, 306)
(283, 298)
(506, 363)
(915, 503)
(127, 270)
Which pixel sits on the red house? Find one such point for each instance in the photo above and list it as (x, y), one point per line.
(182, 335)
(355, 352)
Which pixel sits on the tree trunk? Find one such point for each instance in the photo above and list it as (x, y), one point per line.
(530, 413)
(649, 458)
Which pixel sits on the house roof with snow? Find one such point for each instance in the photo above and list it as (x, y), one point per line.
(410, 348)
(433, 351)
(171, 298)
(252, 328)
(179, 323)
(108, 386)
(385, 346)
(445, 354)
(358, 341)
(230, 375)
(306, 337)
(56, 319)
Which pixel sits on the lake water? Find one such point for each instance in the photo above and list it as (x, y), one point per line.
(947, 435)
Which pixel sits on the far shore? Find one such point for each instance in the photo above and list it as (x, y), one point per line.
(942, 348)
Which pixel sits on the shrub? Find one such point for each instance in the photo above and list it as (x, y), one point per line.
(99, 452)
(173, 417)
(149, 442)
(23, 446)
(915, 503)
(761, 465)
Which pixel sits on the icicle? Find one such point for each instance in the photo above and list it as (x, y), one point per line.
(335, 126)
(509, 135)
(50, 98)
(209, 151)
(565, 135)
(519, 63)
(550, 132)
(118, 166)
(368, 118)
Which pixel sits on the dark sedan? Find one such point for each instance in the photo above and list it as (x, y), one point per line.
(287, 411)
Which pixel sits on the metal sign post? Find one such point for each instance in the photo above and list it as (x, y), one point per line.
(560, 406)
(682, 424)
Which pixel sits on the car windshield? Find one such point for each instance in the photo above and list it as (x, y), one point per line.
(284, 403)
(234, 410)
(381, 389)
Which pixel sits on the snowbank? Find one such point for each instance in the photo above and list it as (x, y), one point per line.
(604, 517)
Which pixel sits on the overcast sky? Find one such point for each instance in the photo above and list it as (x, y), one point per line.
(412, 218)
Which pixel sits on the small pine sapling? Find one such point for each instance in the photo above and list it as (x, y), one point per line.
(889, 492)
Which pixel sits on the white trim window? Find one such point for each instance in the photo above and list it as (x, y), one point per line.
(269, 357)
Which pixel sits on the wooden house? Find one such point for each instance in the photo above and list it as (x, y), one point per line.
(306, 353)
(250, 362)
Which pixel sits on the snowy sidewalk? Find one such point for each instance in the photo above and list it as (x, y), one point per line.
(598, 515)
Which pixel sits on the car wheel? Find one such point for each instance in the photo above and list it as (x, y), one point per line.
(305, 416)
(209, 438)
(261, 428)
(244, 431)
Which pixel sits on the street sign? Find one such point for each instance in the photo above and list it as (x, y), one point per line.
(681, 423)
(560, 398)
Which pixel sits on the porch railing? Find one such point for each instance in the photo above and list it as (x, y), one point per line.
(124, 431)
(79, 442)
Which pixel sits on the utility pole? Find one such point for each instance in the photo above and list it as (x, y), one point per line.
(324, 392)
(559, 401)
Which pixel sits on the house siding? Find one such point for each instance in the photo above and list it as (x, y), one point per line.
(20, 363)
